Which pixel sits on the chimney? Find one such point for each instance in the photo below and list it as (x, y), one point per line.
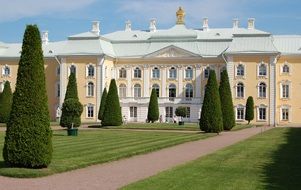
(235, 23)
(205, 24)
(45, 39)
(95, 27)
(152, 25)
(128, 26)
(251, 23)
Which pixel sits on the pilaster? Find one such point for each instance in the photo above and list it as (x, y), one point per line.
(63, 80)
(230, 70)
(164, 87)
(198, 81)
(129, 81)
(180, 81)
(146, 81)
(99, 87)
(272, 77)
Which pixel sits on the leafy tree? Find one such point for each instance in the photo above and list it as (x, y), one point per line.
(28, 135)
(71, 91)
(181, 112)
(211, 117)
(102, 104)
(249, 109)
(226, 102)
(112, 113)
(153, 108)
(6, 99)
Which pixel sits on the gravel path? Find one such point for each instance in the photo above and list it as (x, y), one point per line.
(116, 174)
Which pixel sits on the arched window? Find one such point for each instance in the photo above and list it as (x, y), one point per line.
(172, 73)
(172, 91)
(6, 71)
(262, 90)
(91, 71)
(156, 87)
(189, 91)
(90, 110)
(90, 89)
(285, 69)
(262, 70)
(122, 73)
(240, 70)
(137, 90)
(73, 69)
(122, 90)
(240, 90)
(207, 72)
(137, 72)
(188, 73)
(156, 73)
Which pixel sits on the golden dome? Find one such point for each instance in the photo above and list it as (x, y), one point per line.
(180, 16)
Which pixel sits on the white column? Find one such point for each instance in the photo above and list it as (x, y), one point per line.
(180, 81)
(63, 80)
(230, 70)
(272, 77)
(146, 82)
(198, 81)
(163, 77)
(99, 87)
(129, 81)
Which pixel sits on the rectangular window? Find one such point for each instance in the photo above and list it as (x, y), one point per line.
(188, 112)
(285, 114)
(133, 112)
(240, 114)
(169, 112)
(90, 111)
(262, 113)
(156, 73)
(285, 91)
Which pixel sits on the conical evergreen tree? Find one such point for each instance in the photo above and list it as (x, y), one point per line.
(226, 102)
(102, 104)
(112, 114)
(249, 109)
(211, 117)
(28, 136)
(71, 91)
(6, 99)
(153, 108)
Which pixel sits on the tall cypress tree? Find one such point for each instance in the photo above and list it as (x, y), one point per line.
(226, 102)
(102, 104)
(28, 135)
(211, 117)
(112, 114)
(249, 109)
(71, 91)
(6, 99)
(153, 108)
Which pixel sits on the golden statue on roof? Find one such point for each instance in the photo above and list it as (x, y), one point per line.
(180, 16)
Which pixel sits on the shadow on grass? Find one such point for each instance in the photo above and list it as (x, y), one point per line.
(3, 165)
(284, 172)
(95, 126)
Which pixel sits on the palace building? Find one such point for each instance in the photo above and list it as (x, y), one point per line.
(175, 62)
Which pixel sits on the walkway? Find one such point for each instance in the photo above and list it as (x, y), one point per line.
(116, 174)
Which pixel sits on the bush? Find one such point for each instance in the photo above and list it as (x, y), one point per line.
(226, 102)
(28, 135)
(72, 110)
(181, 111)
(211, 117)
(153, 108)
(112, 114)
(102, 104)
(71, 91)
(249, 109)
(6, 99)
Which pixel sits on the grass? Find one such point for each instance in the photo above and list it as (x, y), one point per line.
(268, 161)
(98, 146)
(241, 126)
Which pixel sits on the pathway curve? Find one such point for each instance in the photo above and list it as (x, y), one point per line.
(116, 174)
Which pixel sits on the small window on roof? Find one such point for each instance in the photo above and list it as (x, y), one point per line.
(50, 51)
(135, 36)
(217, 34)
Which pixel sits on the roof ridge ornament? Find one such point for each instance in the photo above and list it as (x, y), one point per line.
(180, 16)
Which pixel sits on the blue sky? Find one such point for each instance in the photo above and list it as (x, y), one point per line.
(67, 17)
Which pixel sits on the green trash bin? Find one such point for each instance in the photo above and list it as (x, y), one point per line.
(72, 132)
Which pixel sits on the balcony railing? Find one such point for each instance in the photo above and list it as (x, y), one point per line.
(162, 100)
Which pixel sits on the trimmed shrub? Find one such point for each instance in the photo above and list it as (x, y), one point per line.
(6, 99)
(71, 91)
(102, 104)
(249, 109)
(153, 108)
(72, 110)
(28, 135)
(226, 102)
(181, 112)
(112, 113)
(211, 117)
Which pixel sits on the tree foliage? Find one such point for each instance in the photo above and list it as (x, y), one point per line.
(28, 135)
(249, 109)
(112, 113)
(211, 117)
(102, 104)
(181, 111)
(6, 99)
(153, 107)
(71, 91)
(226, 102)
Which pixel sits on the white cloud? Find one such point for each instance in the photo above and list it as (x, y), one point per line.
(16, 9)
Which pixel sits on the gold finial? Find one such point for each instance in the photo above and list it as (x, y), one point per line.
(180, 16)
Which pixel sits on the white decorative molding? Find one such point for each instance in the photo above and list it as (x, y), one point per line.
(172, 52)
(272, 87)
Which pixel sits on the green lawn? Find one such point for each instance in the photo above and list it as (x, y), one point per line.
(98, 146)
(270, 161)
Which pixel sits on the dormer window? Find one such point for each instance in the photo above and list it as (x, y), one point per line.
(240, 70)
(137, 72)
(285, 69)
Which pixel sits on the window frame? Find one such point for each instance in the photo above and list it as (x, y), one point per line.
(188, 73)
(137, 73)
(137, 91)
(122, 90)
(90, 89)
(156, 73)
(122, 73)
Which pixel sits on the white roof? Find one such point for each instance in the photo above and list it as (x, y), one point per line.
(288, 44)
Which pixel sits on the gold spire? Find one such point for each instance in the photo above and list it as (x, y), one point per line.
(180, 16)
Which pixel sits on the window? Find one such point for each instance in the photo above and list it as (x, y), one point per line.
(262, 113)
(240, 90)
(188, 112)
(207, 72)
(137, 73)
(262, 70)
(58, 70)
(189, 91)
(58, 90)
(169, 112)
(156, 73)
(90, 111)
(285, 114)
(137, 90)
(91, 71)
(285, 69)
(73, 69)
(122, 73)
(188, 73)
(240, 70)
(6, 71)
(133, 112)
(172, 73)
(240, 113)
(157, 89)
(172, 90)
(90, 89)
(122, 90)
(262, 90)
(285, 90)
